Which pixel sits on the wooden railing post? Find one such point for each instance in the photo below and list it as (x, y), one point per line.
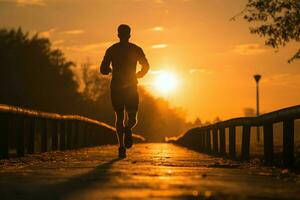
(288, 143)
(222, 141)
(69, 134)
(196, 140)
(215, 140)
(31, 136)
(76, 133)
(4, 131)
(202, 139)
(44, 135)
(93, 138)
(62, 135)
(80, 134)
(208, 141)
(84, 134)
(246, 142)
(232, 142)
(20, 135)
(203, 133)
(54, 135)
(90, 134)
(268, 143)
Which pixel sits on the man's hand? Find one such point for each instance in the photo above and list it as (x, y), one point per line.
(105, 71)
(140, 74)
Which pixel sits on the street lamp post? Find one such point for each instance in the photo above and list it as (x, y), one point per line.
(257, 77)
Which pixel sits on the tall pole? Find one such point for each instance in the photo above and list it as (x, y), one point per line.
(257, 77)
(257, 99)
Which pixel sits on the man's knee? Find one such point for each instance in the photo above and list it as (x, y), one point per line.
(119, 120)
(132, 122)
(132, 118)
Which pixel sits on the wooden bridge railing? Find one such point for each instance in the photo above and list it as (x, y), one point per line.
(211, 138)
(26, 131)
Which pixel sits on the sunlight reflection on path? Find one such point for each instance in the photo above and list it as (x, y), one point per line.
(155, 171)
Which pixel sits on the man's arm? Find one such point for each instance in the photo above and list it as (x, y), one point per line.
(144, 63)
(105, 65)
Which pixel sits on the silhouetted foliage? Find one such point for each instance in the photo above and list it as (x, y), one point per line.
(217, 119)
(162, 120)
(197, 122)
(34, 75)
(276, 20)
(249, 112)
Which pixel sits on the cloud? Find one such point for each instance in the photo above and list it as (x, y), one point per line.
(155, 71)
(58, 42)
(165, 1)
(31, 2)
(48, 33)
(88, 47)
(200, 70)
(159, 1)
(276, 79)
(158, 28)
(159, 46)
(248, 49)
(290, 80)
(73, 32)
(26, 2)
(155, 1)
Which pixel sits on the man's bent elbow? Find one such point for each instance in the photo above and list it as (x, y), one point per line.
(105, 70)
(146, 68)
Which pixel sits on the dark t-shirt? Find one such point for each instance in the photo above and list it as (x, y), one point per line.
(124, 58)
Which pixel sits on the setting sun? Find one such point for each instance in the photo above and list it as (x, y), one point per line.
(165, 82)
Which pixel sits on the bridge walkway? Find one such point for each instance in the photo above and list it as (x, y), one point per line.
(150, 171)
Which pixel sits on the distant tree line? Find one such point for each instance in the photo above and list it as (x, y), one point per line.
(35, 76)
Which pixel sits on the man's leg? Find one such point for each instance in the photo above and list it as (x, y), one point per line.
(118, 105)
(120, 126)
(131, 119)
(131, 108)
(120, 132)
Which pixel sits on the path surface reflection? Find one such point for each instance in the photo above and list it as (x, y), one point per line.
(157, 170)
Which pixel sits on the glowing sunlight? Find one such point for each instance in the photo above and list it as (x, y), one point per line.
(165, 82)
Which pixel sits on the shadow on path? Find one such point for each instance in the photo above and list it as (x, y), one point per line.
(75, 184)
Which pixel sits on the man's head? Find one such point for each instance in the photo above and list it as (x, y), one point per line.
(124, 32)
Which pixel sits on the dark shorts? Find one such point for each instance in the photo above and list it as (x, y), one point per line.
(125, 98)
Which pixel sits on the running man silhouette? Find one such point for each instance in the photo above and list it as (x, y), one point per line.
(123, 56)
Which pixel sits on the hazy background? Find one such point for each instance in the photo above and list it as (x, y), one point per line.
(213, 58)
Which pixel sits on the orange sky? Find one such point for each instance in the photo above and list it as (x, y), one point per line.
(213, 58)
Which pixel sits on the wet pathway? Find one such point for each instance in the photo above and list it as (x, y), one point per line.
(151, 171)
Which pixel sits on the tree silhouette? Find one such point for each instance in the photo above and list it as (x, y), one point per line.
(249, 112)
(276, 20)
(197, 122)
(34, 75)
